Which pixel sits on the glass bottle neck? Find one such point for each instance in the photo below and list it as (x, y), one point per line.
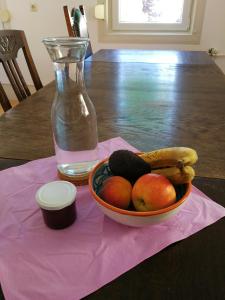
(69, 75)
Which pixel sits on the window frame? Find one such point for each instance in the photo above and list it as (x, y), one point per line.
(192, 35)
(152, 27)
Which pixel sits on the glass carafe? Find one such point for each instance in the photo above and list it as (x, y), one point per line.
(73, 114)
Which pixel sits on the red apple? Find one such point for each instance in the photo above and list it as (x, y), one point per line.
(153, 192)
(116, 191)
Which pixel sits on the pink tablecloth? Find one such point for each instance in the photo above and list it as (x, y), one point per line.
(40, 263)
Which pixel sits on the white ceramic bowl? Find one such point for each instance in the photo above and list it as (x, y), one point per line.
(130, 217)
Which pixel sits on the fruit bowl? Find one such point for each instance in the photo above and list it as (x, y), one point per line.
(131, 217)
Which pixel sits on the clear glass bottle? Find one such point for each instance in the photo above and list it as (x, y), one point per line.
(73, 114)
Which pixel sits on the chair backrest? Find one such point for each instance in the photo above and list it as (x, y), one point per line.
(68, 21)
(4, 101)
(11, 41)
(76, 23)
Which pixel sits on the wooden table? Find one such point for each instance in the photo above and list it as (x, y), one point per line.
(152, 99)
(150, 104)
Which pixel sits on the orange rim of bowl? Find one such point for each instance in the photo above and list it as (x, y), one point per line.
(130, 212)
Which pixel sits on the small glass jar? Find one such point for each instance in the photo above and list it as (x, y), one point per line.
(57, 202)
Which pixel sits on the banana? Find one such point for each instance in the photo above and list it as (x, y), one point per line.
(170, 157)
(177, 175)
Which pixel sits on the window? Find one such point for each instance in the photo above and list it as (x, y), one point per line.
(151, 15)
(162, 21)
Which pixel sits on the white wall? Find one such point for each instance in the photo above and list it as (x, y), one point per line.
(49, 21)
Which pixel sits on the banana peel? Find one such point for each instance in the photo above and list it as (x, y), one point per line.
(177, 175)
(170, 157)
(175, 163)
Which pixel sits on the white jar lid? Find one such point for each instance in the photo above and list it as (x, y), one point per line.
(56, 195)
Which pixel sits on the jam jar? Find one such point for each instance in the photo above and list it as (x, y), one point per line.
(57, 202)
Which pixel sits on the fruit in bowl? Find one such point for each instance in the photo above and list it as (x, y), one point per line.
(116, 190)
(154, 192)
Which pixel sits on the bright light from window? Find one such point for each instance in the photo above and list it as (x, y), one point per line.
(151, 11)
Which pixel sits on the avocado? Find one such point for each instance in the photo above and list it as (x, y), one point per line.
(127, 164)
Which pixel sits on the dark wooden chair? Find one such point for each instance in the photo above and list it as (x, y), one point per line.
(76, 23)
(4, 101)
(11, 41)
